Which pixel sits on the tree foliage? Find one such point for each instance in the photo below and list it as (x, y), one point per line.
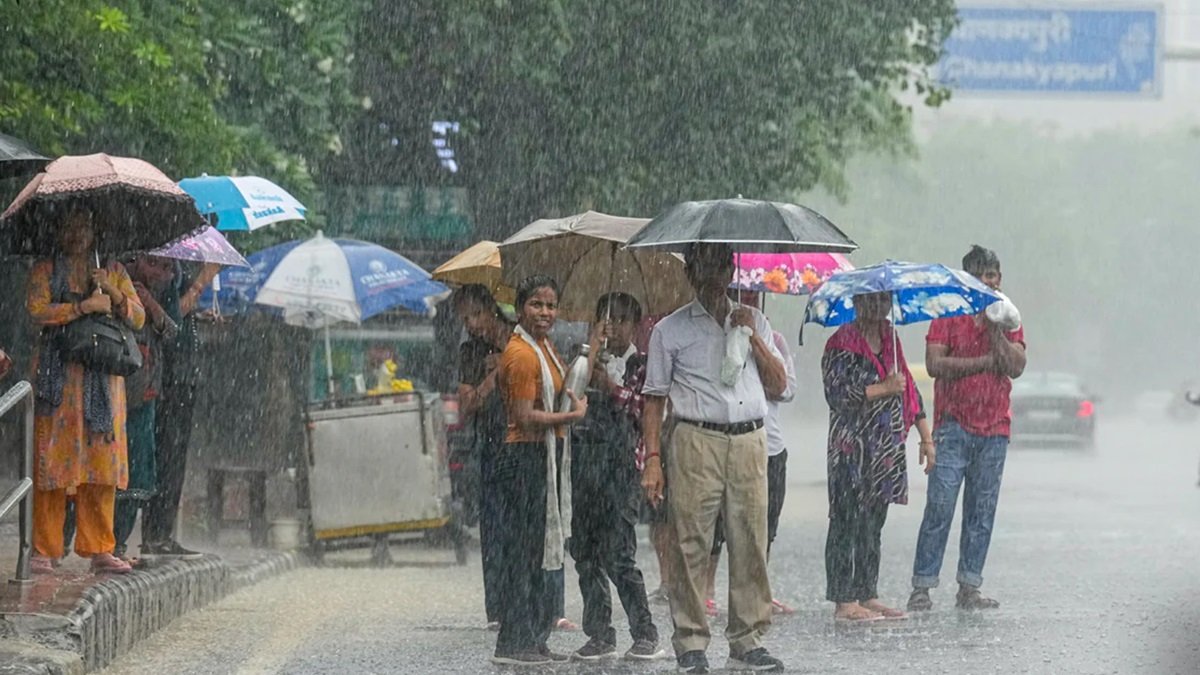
(627, 107)
(194, 86)
(564, 104)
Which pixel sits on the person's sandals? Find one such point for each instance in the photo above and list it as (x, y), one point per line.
(856, 614)
(778, 607)
(919, 600)
(889, 613)
(41, 565)
(107, 563)
(969, 597)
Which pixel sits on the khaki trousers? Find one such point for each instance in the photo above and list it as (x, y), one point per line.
(709, 473)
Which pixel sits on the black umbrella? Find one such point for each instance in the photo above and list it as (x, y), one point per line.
(748, 225)
(17, 158)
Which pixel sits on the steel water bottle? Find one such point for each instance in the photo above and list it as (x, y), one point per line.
(576, 379)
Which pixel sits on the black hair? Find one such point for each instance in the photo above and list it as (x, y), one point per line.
(691, 252)
(530, 285)
(980, 259)
(478, 294)
(619, 306)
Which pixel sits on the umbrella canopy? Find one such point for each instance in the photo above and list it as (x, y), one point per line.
(787, 273)
(207, 246)
(585, 254)
(478, 264)
(134, 206)
(243, 203)
(17, 158)
(747, 225)
(322, 281)
(920, 292)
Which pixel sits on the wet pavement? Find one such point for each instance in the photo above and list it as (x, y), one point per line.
(1093, 557)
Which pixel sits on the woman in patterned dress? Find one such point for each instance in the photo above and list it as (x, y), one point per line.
(871, 410)
(79, 427)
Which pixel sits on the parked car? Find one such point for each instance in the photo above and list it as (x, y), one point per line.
(1051, 407)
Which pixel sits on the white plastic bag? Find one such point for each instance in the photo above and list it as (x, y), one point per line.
(1004, 313)
(737, 348)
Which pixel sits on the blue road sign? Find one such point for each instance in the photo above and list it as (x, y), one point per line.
(1055, 50)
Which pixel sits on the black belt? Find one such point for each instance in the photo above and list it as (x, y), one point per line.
(735, 429)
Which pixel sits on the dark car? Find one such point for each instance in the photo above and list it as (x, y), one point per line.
(1050, 407)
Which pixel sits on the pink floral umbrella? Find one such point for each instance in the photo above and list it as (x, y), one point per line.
(786, 273)
(207, 246)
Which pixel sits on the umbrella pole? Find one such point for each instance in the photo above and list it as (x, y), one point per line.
(612, 270)
(328, 363)
(895, 337)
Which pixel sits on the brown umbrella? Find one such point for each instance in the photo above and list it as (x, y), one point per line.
(134, 206)
(585, 253)
(478, 264)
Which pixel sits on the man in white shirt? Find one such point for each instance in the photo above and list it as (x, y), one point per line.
(718, 458)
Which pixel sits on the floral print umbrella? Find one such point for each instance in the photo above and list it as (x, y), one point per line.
(920, 292)
(786, 273)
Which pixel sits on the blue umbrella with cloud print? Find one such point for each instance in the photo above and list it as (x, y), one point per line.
(920, 292)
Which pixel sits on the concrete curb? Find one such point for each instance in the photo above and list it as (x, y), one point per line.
(115, 615)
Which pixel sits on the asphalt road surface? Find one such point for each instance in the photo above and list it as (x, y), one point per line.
(1094, 558)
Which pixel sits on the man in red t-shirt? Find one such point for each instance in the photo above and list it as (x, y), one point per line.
(973, 362)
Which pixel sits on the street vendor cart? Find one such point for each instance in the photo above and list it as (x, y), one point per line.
(377, 466)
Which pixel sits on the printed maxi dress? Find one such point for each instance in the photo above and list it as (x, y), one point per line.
(866, 438)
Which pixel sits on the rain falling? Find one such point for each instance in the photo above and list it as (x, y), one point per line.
(599, 337)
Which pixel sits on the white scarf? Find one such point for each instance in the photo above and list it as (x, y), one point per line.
(558, 509)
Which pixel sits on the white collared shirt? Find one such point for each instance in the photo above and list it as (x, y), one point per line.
(684, 363)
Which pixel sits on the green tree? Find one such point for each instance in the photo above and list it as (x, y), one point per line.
(193, 86)
(627, 107)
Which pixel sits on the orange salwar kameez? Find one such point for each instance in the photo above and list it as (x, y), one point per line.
(68, 459)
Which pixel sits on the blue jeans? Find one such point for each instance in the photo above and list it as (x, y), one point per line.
(980, 461)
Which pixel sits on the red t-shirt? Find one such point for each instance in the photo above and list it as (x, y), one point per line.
(979, 403)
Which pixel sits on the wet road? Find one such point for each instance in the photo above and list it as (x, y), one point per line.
(1094, 558)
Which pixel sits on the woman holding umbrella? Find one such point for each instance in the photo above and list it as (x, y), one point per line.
(873, 403)
(79, 428)
(526, 476)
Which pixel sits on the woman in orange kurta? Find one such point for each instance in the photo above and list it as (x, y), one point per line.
(77, 455)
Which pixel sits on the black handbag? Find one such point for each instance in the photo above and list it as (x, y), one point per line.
(101, 343)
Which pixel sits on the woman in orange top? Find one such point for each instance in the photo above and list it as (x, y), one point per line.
(79, 428)
(525, 475)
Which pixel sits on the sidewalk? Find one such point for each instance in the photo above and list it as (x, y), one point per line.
(75, 622)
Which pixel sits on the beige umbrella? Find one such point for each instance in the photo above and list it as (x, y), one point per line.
(478, 264)
(135, 207)
(585, 253)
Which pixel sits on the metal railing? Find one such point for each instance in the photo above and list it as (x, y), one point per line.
(23, 491)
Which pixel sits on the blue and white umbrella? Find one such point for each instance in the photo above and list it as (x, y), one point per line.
(242, 203)
(920, 292)
(320, 281)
